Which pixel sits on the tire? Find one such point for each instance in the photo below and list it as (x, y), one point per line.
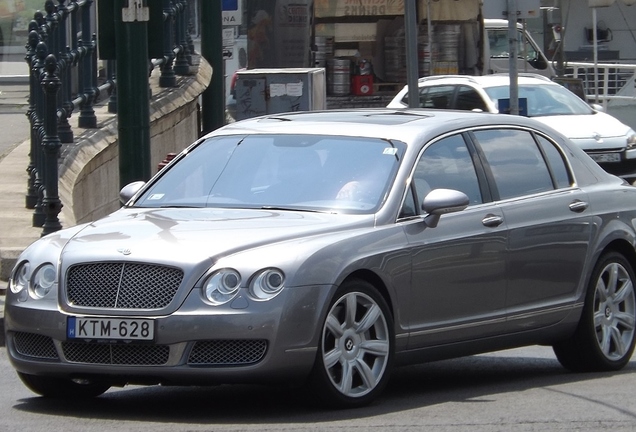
(61, 388)
(355, 355)
(604, 338)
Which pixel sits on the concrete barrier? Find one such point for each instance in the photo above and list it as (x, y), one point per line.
(89, 175)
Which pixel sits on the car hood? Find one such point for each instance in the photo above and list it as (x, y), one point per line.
(179, 236)
(586, 126)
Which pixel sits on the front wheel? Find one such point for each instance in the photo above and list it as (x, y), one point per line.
(604, 338)
(355, 355)
(62, 388)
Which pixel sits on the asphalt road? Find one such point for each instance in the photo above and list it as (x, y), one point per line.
(516, 390)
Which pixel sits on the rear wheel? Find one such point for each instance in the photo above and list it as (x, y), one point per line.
(355, 355)
(604, 338)
(63, 388)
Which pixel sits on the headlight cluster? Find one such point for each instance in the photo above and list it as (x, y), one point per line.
(631, 140)
(266, 284)
(37, 283)
(224, 284)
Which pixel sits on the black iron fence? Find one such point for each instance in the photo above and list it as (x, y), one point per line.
(65, 78)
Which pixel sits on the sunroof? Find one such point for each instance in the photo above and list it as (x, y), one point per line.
(380, 117)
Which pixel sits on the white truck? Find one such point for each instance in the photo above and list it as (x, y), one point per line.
(530, 58)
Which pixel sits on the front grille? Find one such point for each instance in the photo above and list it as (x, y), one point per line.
(122, 285)
(116, 354)
(35, 345)
(227, 352)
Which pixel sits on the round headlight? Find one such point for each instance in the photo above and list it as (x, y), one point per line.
(267, 284)
(20, 279)
(222, 286)
(43, 280)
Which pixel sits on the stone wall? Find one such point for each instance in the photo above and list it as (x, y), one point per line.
(89, 175)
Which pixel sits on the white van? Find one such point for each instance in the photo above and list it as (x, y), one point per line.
(530, 57)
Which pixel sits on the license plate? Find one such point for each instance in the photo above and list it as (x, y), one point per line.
(110, 328)
(606, 157)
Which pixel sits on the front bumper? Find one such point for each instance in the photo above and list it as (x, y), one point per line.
(612, 156)
(198, 344)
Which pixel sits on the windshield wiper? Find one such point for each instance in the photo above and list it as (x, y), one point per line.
(301, 209)
(179, 206)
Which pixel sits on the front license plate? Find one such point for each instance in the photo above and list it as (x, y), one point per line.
(110, 328)
(606, 157)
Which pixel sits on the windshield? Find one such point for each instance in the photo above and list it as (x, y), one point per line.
(299, 172)
(500, 44)
(543, 100)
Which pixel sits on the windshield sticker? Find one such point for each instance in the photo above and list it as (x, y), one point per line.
(156, 196)
(390, 151)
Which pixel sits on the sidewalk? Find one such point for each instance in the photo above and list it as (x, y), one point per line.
(16, 232)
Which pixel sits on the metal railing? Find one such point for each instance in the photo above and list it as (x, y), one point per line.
(605, 83)
(64, 77)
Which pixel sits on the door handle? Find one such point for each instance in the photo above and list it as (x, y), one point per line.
(492, 221)
(578, 206)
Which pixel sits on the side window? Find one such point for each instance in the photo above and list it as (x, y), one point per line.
(524, 43)
(558, 167)
(439, 97)
(468, 99)
(409, 208)
(447, 164)
(515, 161)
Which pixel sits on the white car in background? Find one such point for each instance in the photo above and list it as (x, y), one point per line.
(608, 141)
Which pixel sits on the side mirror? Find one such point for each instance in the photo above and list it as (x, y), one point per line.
(129, 191)
(597, 107)
(442, 201)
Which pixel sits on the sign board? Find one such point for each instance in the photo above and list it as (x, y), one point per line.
(358, 8)
(228, 37)
(279, 33)
(504, 106)
(232, 12)
(525, 8)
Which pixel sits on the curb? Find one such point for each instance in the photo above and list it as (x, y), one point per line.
(2, 296)
(8, 258)
(14, 79)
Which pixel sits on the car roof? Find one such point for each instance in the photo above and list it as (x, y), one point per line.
(404, 124)
(493, 80)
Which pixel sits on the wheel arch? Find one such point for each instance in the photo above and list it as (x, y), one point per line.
(375, 280)
(623, 247)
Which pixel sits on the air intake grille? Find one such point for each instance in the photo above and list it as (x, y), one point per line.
(122, 285)
(227, 352)
(116, 354)
(35, 345)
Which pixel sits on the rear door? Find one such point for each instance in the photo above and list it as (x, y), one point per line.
(548, 221)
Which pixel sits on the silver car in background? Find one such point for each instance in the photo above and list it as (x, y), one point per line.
(326, 248)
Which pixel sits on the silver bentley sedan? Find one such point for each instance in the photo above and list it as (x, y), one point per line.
(327, 248)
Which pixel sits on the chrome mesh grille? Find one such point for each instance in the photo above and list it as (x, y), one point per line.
(228, 352)
(116, 354)
(35, 345)
(122, 285)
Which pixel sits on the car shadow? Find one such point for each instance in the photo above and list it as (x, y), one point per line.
(469, 379)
